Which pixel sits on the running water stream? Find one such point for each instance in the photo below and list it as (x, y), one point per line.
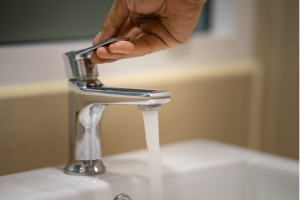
(152, 139)
(88, 144)
(89, 147)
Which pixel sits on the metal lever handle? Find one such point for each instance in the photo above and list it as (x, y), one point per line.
(79, 53)
(78, 65)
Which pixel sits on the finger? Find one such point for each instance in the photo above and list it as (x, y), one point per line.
(134, 33)
(141, 18)
(155, 27)
(127, 27)
(130, 30)
(114, 21)
(144, 44)
(154, 37)
(96, 60)
(105, 53)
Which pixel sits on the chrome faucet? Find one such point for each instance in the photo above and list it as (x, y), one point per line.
(84, 89)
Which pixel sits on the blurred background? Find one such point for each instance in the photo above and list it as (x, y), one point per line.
(235, 81)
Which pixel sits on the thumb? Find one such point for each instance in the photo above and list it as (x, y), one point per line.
(114, 21)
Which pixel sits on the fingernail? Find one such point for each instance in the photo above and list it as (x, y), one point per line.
(96, 38)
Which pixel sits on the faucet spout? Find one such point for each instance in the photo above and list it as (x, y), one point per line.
(84, 93)
(97, 93)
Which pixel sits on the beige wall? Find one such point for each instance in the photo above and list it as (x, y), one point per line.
(277, 49)
(34, 129)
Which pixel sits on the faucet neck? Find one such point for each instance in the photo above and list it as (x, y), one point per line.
(80, 68)
(78, 63)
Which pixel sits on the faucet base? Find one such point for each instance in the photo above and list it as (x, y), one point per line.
(85, 167)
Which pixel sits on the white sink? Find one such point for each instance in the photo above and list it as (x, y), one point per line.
(195, 169)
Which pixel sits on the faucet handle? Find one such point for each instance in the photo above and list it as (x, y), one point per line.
(78, 65)
(80, 53)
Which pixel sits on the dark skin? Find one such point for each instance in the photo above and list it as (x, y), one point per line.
(151, 25)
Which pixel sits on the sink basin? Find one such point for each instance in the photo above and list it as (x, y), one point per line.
(195, 169)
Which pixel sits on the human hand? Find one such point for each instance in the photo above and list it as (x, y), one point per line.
(151, 25)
